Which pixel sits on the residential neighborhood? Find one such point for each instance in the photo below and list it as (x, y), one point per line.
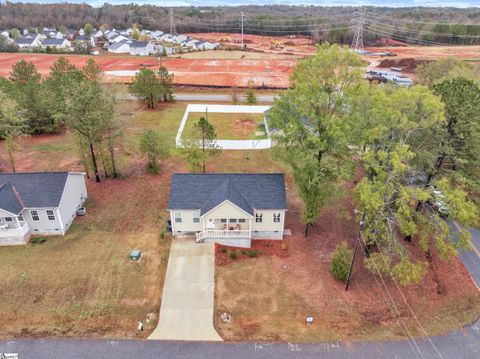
(265, 180)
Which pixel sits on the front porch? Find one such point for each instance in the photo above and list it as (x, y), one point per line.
(229, 231)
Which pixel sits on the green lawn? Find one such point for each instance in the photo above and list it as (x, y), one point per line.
(228, 126)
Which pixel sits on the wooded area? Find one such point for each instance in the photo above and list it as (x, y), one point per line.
(426, 25)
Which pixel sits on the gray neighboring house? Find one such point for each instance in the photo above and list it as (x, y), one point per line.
(56, 43)
(41, 203)
(231, 209)
(122, 47)
(28, 42)
(141, 48)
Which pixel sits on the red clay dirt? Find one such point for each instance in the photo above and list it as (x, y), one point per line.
(269, 73)
(291, 44)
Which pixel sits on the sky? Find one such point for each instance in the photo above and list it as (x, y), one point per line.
(390, 3)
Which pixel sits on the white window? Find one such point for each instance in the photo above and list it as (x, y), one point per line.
(241, 220)
(8, 219)
(258, 217)
(178, 217)
(20, 217)
(50, 215)
(276, 218)
(233, 220)
(223, 220)
(196, 216)
(35, 216)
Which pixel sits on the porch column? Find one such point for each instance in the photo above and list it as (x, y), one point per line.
(17, 222)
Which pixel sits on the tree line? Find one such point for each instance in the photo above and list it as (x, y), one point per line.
(413, 152)
(67, 98)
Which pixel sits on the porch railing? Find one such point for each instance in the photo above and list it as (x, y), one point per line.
(20, 231)
(222, 234)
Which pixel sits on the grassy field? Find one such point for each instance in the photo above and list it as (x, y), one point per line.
(228, 126)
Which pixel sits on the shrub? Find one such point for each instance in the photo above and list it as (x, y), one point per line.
(252, 254)
(223, 250)
(340, 263)
(233, 255)
(260, 251)
(267, 244)
(38, 240)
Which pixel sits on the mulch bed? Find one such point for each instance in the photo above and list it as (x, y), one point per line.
(261, 247)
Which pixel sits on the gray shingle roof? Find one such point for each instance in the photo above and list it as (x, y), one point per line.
(52, 42)
(117, 45)
(208, 190)
(24, 41)
(31, 190)
(138, 44)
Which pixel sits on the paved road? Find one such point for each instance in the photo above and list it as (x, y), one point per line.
(462, 344)
(470, 258)
(186, 312)
(205, 97)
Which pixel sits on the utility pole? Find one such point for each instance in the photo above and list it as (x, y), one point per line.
(357, 28)
(357, 243)
(173, 30)
(242, 27)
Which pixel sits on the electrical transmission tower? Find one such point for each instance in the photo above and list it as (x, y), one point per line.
(173, 30)
(242, 20)
(358, 24)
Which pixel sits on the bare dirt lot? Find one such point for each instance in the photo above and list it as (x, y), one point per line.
(430, 52)
(289, 44)
(272, 73)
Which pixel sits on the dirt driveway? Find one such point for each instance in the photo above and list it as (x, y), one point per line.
(186, 312)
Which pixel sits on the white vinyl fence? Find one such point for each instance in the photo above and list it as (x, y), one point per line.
(229, 144)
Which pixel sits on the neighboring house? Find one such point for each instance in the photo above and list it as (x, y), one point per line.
(166, 38)
(56, 43)
(28, 42)
(117, 38)
(43, 203)
(180, 38)
(122, 47)
(84, 39)
(159, 49)
(191, 43)
(156, 35)
(98, 34)
(205, 45)
(81, 32)
(110, 33)
(230, 209)
(141, 48)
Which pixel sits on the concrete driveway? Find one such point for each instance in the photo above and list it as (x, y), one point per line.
(186, 312)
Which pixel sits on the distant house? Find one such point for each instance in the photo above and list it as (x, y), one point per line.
(98, 34)
(166, 38)
(56, 43)
(156, 35)
(160, 49)
(191, 43)
(141, 48)
(117, 38)
(81, 32)
(180, 38)
(122, 47)
(205, 45)
(230, 209)
(43, 203)
(110, 33)
(28, 42)
(84, 39)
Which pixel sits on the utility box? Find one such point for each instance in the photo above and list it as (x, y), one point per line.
(135, 255)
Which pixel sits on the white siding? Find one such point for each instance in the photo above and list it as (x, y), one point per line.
(44, 225)
(75, 191)
(187, 225)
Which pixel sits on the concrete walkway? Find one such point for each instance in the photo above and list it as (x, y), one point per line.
(186, 312)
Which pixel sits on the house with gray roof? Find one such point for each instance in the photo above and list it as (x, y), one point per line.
(40, 203)
(231, 209)
(56, 43)
(141, 48)
(28, 42)
(122, 47)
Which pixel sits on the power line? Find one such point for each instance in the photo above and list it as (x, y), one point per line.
(382, 32)
(415, 22)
